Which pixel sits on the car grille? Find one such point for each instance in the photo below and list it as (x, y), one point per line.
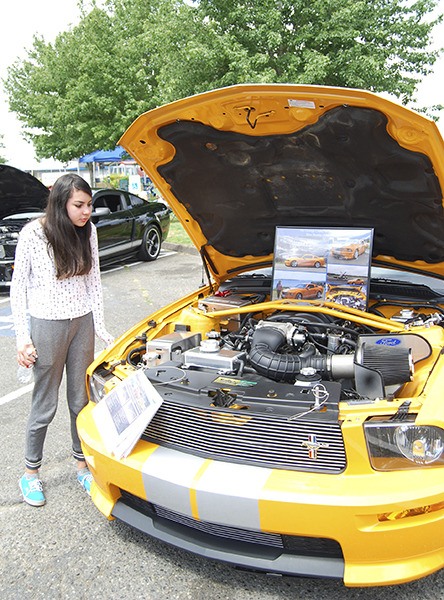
(300, 545)
(232, 533)
(271, 441)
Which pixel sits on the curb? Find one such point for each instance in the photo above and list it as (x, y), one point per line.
(180, 248)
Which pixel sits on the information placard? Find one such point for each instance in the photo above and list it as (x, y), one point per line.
(329, 263)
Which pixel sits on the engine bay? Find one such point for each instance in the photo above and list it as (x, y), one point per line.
(295, 359)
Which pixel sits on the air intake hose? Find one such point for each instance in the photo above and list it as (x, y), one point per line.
(393, 364)
(279, 367)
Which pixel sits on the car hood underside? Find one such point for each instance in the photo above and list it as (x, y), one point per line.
(20, 192)
(350, 166)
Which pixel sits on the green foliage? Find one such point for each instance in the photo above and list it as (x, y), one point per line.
(81, 92)
(177, 234)
(113, 181)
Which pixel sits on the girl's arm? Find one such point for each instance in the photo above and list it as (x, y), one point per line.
(95, 291)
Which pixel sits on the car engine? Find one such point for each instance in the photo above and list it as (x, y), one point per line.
(326, 359)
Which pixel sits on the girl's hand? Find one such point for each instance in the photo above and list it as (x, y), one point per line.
(27, 355)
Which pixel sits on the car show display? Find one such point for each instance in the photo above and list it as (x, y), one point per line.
(298, 433)
(313, 278)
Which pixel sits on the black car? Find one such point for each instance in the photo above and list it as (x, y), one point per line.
(126, 224)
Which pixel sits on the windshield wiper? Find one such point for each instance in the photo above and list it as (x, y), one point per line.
(393, 288)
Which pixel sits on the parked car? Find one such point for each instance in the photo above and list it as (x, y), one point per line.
(307, 291)
(305, 260)
(297, 438)
(126, 224)
(350, 251)
(356, 281)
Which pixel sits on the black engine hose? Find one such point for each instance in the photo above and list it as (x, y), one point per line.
(138, 351)
(279, 367)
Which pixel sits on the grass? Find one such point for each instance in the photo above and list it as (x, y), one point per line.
(177, 234)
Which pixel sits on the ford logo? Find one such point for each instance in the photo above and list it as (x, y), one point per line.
(389, 342)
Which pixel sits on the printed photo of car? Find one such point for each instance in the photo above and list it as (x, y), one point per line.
(350, 251)
(305, 260)
(308, 291)
(126, 224)
(299, 438)
(356, 281)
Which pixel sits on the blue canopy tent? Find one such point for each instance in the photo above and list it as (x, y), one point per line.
(102, 156)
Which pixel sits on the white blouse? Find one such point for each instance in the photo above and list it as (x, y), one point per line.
(35, 285)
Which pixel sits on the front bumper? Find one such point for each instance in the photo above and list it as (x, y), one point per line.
(329, 525)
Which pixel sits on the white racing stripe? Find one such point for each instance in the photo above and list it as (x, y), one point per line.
(168, 476)
(224, 493)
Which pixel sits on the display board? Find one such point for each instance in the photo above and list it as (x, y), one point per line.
(331, 264)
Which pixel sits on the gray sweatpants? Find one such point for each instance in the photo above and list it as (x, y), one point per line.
(63, 343)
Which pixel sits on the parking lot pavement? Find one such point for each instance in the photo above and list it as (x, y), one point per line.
(67, 549)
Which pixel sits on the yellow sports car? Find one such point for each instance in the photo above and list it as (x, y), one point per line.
(307, 291)
(297, 438)
(350, 251)
(305, 260)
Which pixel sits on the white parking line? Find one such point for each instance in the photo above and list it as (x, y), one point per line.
(24, 390)
(113, 269)
(16, 394)
(163, 254)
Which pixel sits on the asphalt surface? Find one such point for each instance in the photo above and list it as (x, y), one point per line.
(67, 549)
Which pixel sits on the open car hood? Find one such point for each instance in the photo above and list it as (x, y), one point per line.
(20, 192)
(234, 163)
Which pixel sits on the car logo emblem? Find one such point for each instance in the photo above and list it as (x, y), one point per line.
(313, 446)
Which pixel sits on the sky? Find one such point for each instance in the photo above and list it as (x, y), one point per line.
(22, 19)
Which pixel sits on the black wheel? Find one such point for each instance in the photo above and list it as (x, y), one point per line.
(151, 242)
(356, 254)
(299, 296)
(318, 294)
(317, 264)
(294, 263)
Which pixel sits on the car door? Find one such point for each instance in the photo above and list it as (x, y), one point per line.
(114, 222)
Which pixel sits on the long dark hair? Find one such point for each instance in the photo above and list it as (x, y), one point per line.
(70, 244)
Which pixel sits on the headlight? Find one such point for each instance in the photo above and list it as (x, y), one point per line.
(422, 445)
(97, 387)
(395, 446)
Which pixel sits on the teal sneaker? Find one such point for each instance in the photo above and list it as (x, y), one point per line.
(85, 478)
(32, 490)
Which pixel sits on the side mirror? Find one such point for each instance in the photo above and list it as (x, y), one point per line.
(101, 211)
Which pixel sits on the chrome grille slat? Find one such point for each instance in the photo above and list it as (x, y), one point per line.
(247, 437)
(224, 531)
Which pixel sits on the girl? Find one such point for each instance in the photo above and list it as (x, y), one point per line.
(56, 276)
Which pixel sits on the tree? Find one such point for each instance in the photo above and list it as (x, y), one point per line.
(81, 92)
(379, 45)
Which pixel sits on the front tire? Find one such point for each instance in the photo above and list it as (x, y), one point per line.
(151, 243)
